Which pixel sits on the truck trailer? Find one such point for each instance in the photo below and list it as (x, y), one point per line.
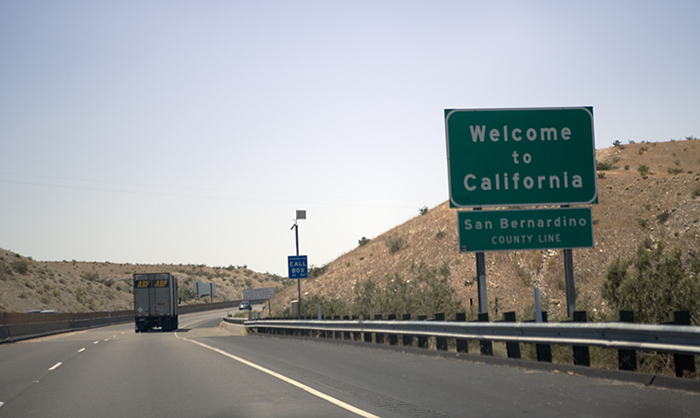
(155, 301)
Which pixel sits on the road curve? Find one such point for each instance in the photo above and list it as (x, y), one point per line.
(204, 371)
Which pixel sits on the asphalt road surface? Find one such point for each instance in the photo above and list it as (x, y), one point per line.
(205, 371)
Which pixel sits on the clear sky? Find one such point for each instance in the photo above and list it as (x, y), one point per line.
(191, 131)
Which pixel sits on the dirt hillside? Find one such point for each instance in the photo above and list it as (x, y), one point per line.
(73, 286)
(647, 191)
(661, 203)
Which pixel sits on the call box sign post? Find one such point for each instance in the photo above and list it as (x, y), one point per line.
(520, 157)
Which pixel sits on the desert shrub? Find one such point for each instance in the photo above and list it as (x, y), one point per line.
(652, 285)
(315, 271)
(675, 170)
(186, 293)
(363, 241)
(663, 216)
(91, 276)
(20, 266)
(642, 150)
(426, 291)
(604, 166)
(643, 169)
(5, 271)
(695, 192)
(423, 210)
(395, 243)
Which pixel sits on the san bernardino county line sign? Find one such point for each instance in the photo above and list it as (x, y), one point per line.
(518, 157)
(533, 229)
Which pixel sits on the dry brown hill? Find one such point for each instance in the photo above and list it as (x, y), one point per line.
(72, 286)
(661, 204)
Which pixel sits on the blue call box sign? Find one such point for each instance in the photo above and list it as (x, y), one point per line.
(298, 267)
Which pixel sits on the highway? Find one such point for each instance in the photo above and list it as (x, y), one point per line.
(205, 371)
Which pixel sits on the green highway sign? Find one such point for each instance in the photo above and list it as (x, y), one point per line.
(518, 157)
(533, 229)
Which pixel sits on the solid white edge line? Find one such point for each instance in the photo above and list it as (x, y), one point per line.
(55, 366)
(283, 378)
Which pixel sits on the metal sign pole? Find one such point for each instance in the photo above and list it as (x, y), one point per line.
(481, 281)
(296, 233)
(569, 279)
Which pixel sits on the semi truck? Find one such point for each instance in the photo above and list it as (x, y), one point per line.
(155, 301)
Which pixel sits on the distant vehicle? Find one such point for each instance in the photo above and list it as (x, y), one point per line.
(155, 301)
(244, 305)
(35, 311)
(49, 311)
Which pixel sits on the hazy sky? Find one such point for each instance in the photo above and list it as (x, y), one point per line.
(191, 131)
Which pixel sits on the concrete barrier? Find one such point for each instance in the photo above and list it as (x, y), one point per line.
(10, 333)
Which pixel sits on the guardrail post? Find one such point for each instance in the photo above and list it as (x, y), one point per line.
(462, 344)
(406, 340)
(367, 335)
(582, 355)
(512, 348)
(627, 359)
(683, 362)
(378, 336)
(544, 351)
(357, 335)
(486, 345)
(422, 340)
(346, 334)
(440, 342)
(393, 338)
(337, 334)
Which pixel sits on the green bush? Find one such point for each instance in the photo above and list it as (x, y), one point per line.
(426, 291)
(604, 166)
(652, 285)
(186, 293)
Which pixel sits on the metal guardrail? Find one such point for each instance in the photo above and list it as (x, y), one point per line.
(676, 339)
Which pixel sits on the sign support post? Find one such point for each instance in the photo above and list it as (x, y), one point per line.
(522, 157)
(481, 280)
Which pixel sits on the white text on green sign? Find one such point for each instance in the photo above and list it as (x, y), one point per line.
(504, 157)
(534, 229)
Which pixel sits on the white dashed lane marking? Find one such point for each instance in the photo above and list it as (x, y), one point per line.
(55, 366)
